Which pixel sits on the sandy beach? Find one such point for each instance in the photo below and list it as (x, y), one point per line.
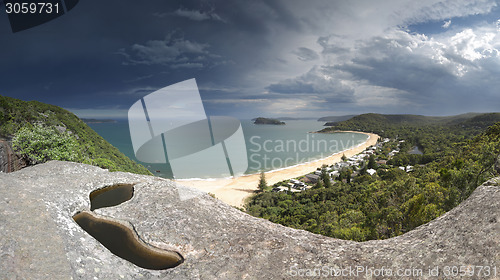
(234, 191)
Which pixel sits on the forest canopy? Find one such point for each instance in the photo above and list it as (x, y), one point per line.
(458, 154)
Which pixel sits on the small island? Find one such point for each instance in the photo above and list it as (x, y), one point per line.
(261, 120)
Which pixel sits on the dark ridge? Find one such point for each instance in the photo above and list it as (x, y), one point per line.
(111, 196)
(335, 118)
(122, 240)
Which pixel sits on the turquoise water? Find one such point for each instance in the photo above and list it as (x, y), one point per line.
(269, 147)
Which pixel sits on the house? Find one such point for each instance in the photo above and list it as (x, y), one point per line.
(392, 153)
(284, 189)
(371, 171)
(306, 187)
(334, 173)
(312, 178)
(341, 165)
(408, 168)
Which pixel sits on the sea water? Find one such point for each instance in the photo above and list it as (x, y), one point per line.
(269, 147)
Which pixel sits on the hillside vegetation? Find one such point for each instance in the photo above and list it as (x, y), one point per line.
(389, 125)
(335, 118)
(42, 132)
(407, 190)
(435, 136)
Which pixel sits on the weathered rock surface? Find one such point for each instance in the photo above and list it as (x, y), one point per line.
(497, 165)
(40, 240)
(9, 161)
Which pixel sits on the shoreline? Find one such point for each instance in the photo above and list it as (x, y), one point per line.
(234, 191)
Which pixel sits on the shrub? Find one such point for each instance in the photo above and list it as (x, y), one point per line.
(39, 144)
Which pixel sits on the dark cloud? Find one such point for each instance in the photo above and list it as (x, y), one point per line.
(174, 51)
(306, 54)
(315, 82)
(330, 46)
(198, 15)
(255, 55)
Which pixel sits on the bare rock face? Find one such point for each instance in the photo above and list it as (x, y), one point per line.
(497, 165)
(9, 161)
(40, 240)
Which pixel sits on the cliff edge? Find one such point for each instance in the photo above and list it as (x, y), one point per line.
(9, 160)
(40, 240)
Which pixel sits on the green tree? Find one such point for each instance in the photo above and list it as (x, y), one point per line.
(363, 171)
(371, 162)
(262, 182)
(325, 177)
(319, 184)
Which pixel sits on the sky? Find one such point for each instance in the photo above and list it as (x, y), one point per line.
(275, 58)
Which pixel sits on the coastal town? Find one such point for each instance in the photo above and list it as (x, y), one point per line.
(373, 159)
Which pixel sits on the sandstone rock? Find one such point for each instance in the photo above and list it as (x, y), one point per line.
(497, 165)
(9, 161)
(40, 240)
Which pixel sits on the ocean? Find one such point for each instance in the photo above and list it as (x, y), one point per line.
(269, 147)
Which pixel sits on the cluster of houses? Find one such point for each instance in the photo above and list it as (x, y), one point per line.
(295, 185)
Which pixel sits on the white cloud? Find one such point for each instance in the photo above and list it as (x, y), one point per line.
(198, 15)
(426, 71)
(433, 10)
(235, 101)
(402, 71)
(473, 45)
(361, 19)
(446, 24)
(137, 91)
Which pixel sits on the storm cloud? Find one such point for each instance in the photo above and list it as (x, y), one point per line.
(259, 57)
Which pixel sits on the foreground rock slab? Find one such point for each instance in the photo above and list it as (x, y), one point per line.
(40, 240)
